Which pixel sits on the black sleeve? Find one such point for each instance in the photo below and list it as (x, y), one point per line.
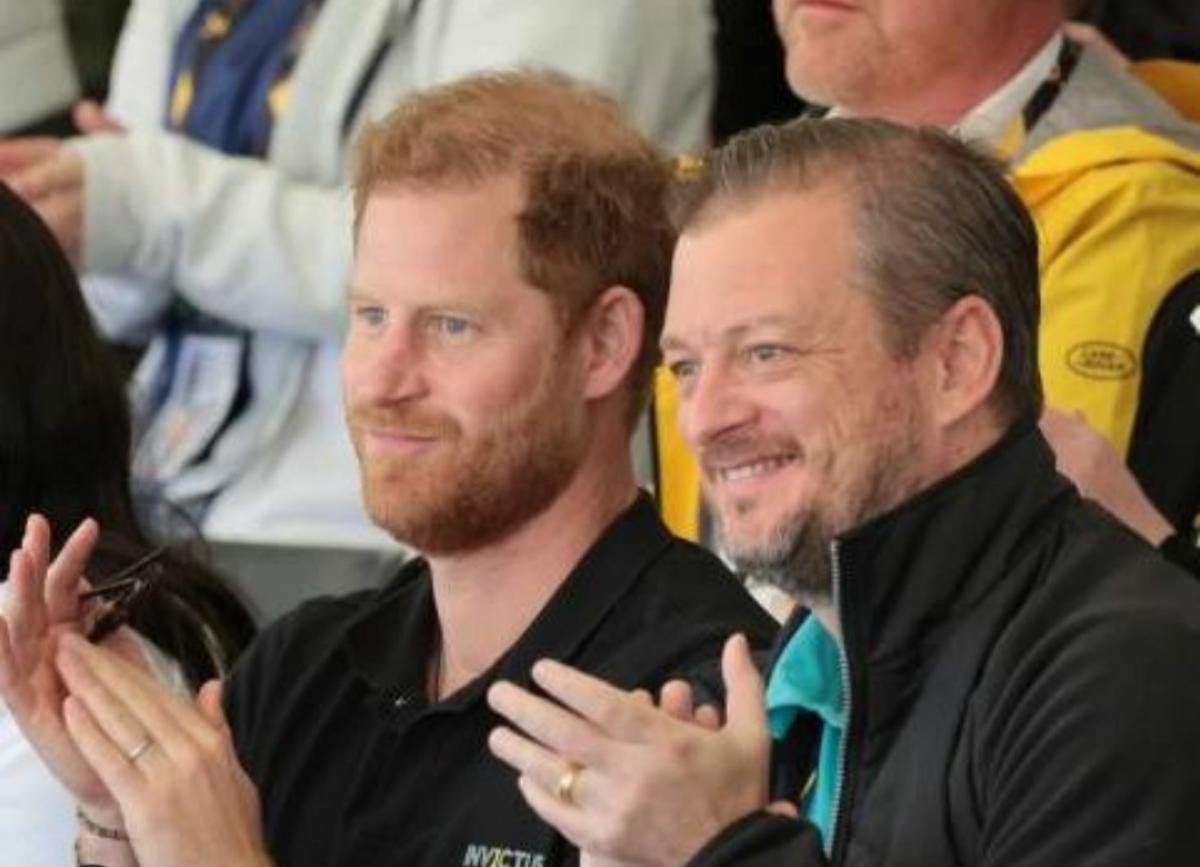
(1181, 550)
(764, 840)
(1164, 451)
(1091, 754)
(247, 689)
(266, 671)
(708, 684)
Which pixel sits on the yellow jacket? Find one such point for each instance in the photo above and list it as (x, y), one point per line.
(1112, 176)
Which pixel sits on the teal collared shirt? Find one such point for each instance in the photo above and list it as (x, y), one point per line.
(808, 677)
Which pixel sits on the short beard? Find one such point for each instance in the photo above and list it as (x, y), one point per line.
(794, 560)
(797, 558)
(502, 479)
(521, 473)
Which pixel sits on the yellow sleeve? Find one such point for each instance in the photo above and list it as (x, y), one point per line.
(1115, 240)
(678, 472)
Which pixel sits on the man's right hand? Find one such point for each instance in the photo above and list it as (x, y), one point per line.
(43, 605)
(624, 780)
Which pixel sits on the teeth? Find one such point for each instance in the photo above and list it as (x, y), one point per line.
(746, 471)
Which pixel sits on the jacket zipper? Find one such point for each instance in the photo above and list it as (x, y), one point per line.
(835, 573)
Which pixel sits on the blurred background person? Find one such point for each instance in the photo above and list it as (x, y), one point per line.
(1110, 170)
(1146, 29)
(64, 451)
(751, 86)
(35, 64)
(207, 209)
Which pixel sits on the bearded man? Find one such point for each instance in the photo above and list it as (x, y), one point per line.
(988, 671)
(509, 282)
(1111, 172)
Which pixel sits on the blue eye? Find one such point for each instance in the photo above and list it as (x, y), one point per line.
(370, 314)
(455, 325)
(449, 326)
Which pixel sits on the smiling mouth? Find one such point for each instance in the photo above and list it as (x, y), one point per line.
(825, 4)
(751, 469)
(403, 440)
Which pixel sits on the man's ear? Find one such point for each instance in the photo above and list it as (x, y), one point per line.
(612, 340)
(967, 346)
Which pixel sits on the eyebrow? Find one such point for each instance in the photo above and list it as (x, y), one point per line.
(734, 333)
(470, 308)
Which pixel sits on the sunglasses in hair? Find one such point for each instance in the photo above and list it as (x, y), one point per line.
(120, 591)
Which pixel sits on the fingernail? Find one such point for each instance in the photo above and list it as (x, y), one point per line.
(494, 691)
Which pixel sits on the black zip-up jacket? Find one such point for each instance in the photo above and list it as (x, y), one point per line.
(1024, 687)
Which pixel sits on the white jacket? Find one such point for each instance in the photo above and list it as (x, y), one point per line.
(35, 63)
(268, 244)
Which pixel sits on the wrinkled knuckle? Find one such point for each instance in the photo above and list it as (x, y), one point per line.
(677, 751)
(211, 745)
(191, 764)
(610, 717)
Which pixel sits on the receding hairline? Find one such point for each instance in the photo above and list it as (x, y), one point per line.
(498, 122)
(779, 184)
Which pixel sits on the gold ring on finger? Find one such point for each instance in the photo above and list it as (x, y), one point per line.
(564, 789)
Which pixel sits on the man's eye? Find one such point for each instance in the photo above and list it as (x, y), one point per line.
(448, 325)
(370, 314)
(682, 369)
(765, 353)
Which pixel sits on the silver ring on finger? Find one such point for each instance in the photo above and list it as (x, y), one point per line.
(140, 750)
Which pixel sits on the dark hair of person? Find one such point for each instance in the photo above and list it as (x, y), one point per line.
(934, 219)
(65, 442)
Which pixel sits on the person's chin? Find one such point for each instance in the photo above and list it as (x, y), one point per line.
(759, 533)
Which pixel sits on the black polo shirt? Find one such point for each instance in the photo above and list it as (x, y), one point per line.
(356, 768)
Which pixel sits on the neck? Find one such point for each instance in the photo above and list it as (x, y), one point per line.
(824, 610)
(487, 598)
(962, 443)
(951, 95)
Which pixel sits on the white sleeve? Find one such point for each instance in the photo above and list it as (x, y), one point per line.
(233, 235)
(242, 241)
(654, 56)
(37, 813)
(137, 92)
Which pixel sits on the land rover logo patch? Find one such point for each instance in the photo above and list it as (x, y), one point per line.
(1097, 359)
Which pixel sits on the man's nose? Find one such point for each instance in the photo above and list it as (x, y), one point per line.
(715, 405)
(389, 369)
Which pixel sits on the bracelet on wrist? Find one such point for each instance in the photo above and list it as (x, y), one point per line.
(98, 830)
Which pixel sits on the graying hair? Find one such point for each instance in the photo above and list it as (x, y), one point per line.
(935, 221)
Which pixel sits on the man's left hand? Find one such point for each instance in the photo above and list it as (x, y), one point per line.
(624, 780)
(171, 766)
